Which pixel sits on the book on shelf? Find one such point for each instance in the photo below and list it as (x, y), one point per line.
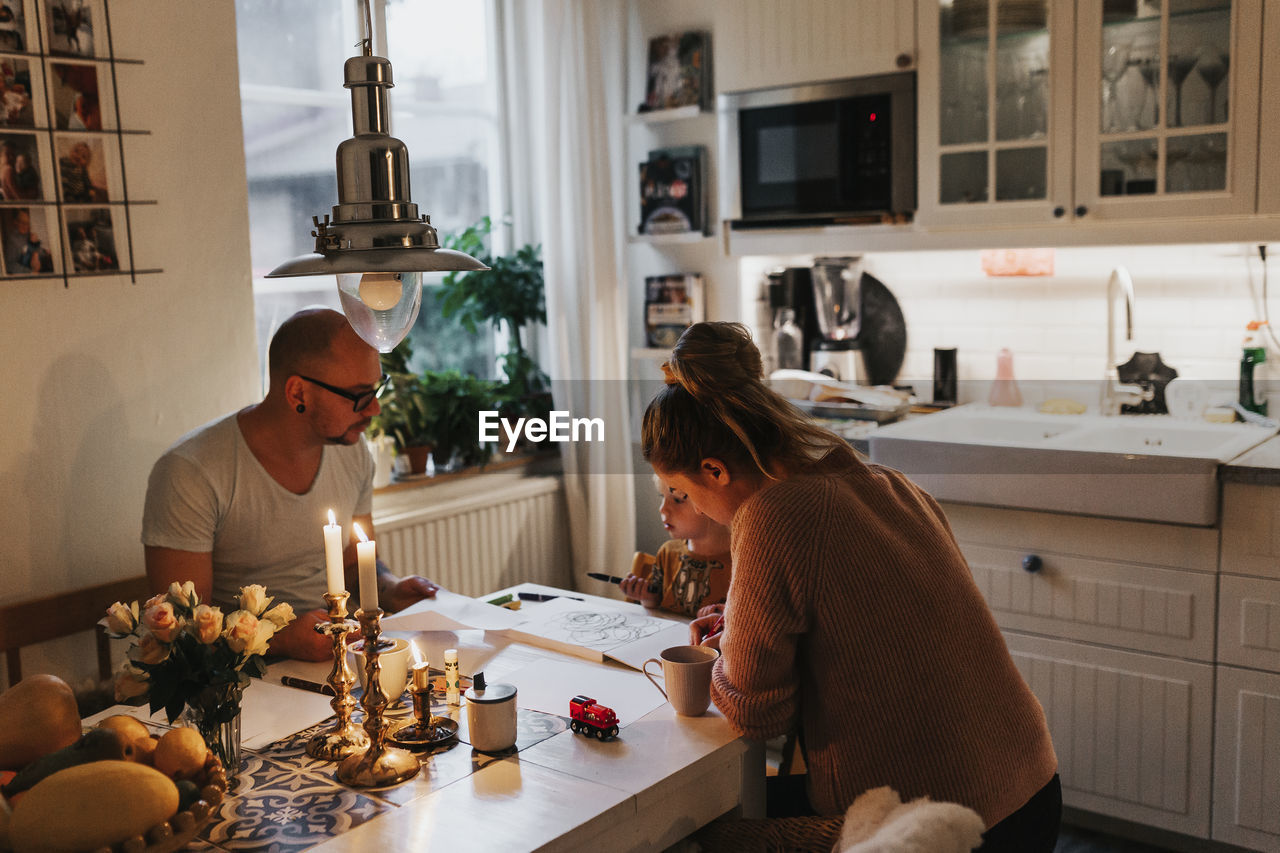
(672, 303)
(673, 196)
(678, 73)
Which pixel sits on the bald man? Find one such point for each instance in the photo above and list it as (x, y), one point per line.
(242, 500)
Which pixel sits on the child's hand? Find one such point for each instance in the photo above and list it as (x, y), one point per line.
(707, 630)
(710, 609)
(636, 587)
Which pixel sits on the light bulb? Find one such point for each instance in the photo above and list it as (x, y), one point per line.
(380, 290)
(381, 307)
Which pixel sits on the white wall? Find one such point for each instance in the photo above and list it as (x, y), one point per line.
(102, 376)
(1192, 306)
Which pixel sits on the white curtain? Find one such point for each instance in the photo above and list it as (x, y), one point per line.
(563, 65)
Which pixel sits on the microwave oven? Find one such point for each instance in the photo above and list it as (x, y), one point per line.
(820, 154)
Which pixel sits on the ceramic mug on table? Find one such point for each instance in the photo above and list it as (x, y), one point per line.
(394, 676)
(686, 670)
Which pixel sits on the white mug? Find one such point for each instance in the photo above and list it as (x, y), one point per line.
(394, 676)
(687, 673)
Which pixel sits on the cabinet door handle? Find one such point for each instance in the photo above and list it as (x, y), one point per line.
(903, 60)
(1081, 210)
(1059, 212)
(1032, 563)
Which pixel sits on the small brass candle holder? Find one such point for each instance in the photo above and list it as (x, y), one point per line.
(345, 737)
(427, 730)
(379, 765)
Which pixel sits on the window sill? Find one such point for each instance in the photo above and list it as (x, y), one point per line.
(504, 471)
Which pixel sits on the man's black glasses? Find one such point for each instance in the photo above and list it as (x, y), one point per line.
(359, 401)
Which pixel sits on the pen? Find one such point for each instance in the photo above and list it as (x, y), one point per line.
(538, 596)
(601, 576)
(303, 684)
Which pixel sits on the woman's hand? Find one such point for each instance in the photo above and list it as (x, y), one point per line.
(707, 630)
(634, 586)
(710, 609)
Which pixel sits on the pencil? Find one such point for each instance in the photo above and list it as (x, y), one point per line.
(303, 684)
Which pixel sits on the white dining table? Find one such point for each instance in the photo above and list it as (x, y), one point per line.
(663, 777)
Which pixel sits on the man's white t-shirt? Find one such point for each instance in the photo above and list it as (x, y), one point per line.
(209, 494)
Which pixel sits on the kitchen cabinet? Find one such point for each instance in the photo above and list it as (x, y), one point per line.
(766, 43)
(1269, 132)
(1049, 112)
(1111, 623)
(1247, 730)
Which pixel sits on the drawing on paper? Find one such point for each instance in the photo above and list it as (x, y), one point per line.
(601, 630)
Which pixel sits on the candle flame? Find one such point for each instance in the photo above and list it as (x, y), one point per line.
(355, 525)
(413, 650)
(332, 518)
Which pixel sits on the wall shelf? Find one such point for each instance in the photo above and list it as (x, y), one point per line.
(661, 116)
(669, 239)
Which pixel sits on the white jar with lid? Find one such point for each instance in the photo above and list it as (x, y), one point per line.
(491, 715)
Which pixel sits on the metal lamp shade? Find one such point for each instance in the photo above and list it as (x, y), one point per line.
(375, 230)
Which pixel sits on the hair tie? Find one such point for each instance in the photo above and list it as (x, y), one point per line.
(669, 375)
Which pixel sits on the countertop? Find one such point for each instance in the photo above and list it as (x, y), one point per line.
(1259, 466)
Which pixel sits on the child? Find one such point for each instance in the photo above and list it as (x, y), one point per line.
(690, 574)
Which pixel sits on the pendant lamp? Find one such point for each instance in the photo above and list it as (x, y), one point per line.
(375, 242)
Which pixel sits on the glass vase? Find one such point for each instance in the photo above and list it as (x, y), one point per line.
(215, 713)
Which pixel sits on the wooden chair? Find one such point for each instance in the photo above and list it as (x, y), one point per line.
(42, 619)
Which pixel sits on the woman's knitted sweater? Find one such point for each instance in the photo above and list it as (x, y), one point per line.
(853, 614)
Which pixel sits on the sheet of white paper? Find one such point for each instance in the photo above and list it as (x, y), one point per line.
(548, 685)
(449, 611)
(626, 632)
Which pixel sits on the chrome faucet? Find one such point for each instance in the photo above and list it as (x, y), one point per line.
(1115, 393)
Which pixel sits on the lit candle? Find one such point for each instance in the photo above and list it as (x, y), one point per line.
(333, 556)
(368, 565)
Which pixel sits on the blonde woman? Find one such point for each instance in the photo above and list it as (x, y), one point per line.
(852, 615)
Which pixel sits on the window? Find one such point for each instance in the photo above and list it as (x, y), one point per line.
(444, 106)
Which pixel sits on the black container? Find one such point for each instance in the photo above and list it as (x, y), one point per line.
(944, 377)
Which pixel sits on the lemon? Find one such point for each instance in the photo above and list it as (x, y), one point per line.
(180, 753)
(144, 750)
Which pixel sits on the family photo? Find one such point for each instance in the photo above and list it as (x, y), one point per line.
(19, 167)
(16, 109)
(76, 105)
(22, 230)
(91, 240)
(70, 28)
(13, 26)
(82, 169)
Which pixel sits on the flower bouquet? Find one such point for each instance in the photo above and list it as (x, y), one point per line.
(188, 656)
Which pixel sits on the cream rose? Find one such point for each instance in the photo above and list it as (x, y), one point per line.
(149, 649)
(121, 618)
(240, 628)
(183, 594)
(261, 638)
(206, 623)
(253, 598)
(158, 598)
(130, 682)
(161, 620)
(280, 615)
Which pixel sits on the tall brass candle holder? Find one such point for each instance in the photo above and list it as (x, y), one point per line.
(345, 737)
(379, 765)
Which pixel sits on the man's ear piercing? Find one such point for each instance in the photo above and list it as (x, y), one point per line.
(301, 408)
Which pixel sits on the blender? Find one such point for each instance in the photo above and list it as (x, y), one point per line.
(837, 299)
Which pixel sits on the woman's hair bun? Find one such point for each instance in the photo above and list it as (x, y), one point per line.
(710, 356)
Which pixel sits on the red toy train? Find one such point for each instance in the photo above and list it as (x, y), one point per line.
(589, 717)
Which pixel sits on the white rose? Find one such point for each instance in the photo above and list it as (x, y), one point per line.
(241, 629)
(261, 638)
(280, 615)
(121, 618)
(254, 598)
(184, 594)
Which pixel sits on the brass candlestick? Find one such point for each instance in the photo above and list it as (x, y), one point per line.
(345, 737)
(380, 764)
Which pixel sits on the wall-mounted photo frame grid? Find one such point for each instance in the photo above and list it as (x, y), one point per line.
(64, 205)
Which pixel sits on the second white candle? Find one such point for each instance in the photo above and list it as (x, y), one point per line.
(366, 561)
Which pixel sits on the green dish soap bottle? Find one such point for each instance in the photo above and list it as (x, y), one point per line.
(1254, 353)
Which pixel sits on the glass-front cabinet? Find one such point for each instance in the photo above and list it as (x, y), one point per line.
(1037, 111)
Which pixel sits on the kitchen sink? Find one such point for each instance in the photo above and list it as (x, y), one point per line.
(1150, 467)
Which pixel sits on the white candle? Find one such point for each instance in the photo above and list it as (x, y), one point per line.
(368, 564)
(333, 556)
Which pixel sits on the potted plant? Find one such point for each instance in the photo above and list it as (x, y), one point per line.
(453, 402)
(404, 415)
(510, 292)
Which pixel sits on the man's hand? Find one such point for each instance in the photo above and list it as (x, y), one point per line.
(300, 640)
(397, 594)
(634, 586)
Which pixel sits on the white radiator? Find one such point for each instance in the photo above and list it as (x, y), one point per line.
(511, 532)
